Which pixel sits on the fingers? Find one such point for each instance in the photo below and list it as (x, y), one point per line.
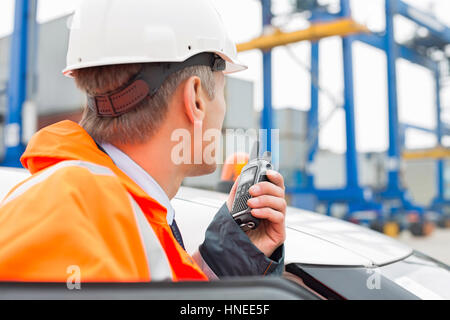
(268, 204)
(276, 178)
(269, 214)
(266, 188)
(269, 194)
(275, 187)
(267, 201)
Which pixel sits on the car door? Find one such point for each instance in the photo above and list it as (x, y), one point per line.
(232, 289)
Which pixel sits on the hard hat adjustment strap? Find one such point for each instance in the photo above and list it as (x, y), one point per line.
(116, 104)
(146, 83)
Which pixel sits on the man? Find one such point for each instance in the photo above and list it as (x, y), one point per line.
(99, 197)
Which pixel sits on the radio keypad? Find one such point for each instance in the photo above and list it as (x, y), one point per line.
(242, 196)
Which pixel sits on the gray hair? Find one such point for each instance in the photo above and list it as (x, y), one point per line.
(139, 124)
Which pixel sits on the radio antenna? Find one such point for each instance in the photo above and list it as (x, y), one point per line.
(255, 151)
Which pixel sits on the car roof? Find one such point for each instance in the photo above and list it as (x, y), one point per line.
(312, 238)
(10, 177)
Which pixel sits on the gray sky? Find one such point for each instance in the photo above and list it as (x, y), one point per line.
(291, 82)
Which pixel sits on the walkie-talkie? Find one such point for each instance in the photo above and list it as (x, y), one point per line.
(253, 173)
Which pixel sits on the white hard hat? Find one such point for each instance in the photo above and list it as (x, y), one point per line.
(109, 32)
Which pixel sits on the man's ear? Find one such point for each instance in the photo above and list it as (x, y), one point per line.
(194, 103)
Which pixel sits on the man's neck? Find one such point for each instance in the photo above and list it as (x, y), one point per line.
(155, 158)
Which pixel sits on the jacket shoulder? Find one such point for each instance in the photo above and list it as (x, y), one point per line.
(69, 178)
(74, 214)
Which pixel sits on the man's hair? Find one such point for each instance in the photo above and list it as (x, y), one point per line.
(139, 124)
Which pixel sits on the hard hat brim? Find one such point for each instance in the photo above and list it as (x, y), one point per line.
(232, 65)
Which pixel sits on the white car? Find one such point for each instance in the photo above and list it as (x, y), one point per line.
(325, 258)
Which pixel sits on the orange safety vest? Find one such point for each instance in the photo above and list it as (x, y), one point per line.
(78, 211)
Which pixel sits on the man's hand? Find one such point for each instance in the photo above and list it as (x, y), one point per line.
(268, 204)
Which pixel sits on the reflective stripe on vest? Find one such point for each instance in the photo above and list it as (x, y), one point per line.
(157, 261)
(156, 257)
